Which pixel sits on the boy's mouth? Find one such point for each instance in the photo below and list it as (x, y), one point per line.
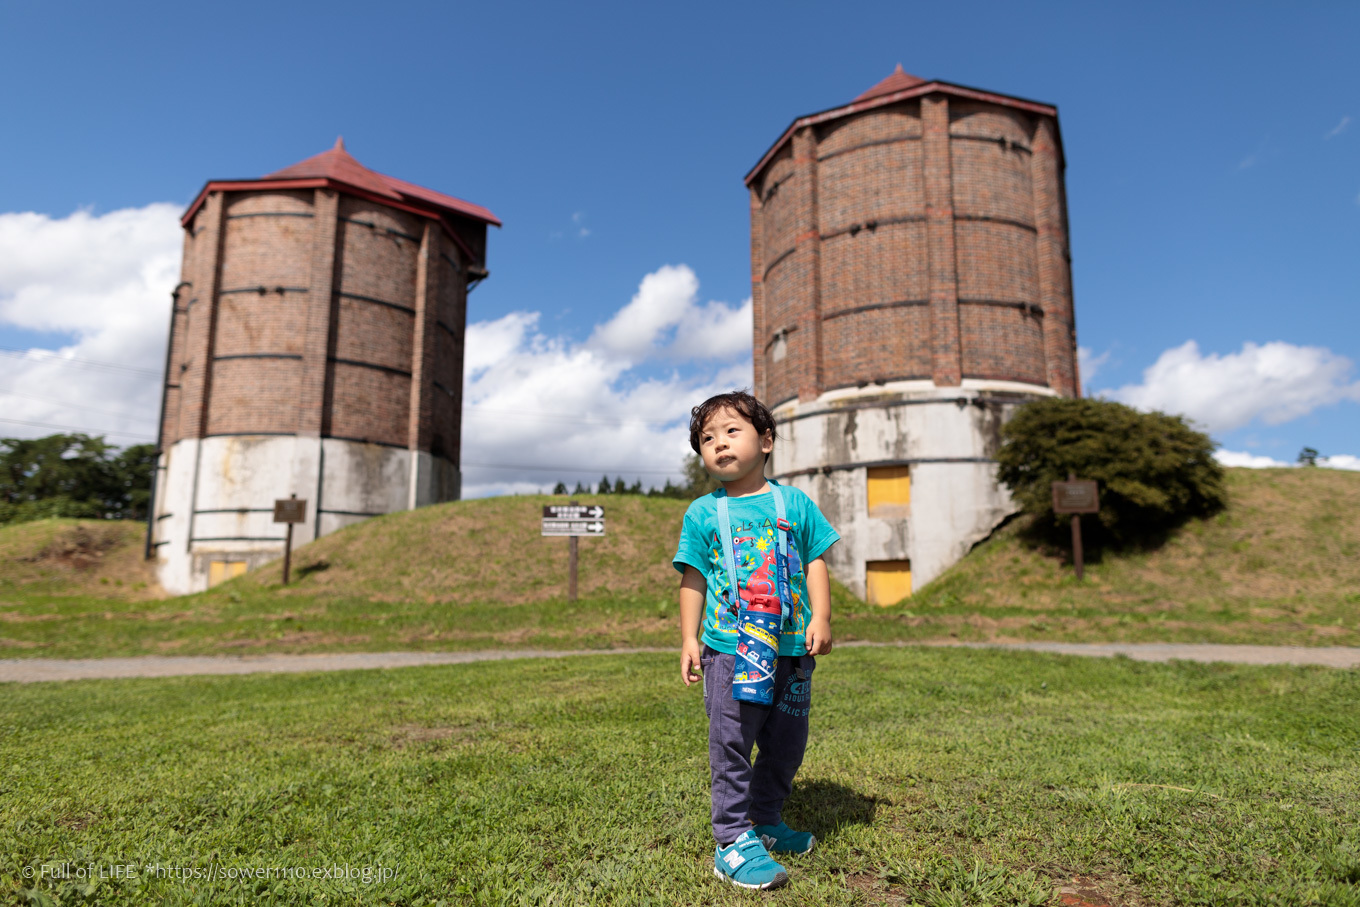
(723, 461)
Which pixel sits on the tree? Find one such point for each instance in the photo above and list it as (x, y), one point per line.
(73, 475)
(636, 487)
(1153, 470)
(699, 481)
(667, 491)
(604, 486)
(1308, 457)
(619, 487)
(560, 488)
(580, 488)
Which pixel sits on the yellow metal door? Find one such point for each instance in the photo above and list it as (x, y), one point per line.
(887, 582)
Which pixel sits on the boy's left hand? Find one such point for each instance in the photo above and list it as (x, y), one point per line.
(818, 636)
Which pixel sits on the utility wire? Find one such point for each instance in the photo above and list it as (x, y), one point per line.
(630, 470)
(558, 417)
(101, 412)
(83, 431)
(45, 356)
(471, 409)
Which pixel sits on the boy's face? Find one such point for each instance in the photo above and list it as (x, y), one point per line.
(730, 447)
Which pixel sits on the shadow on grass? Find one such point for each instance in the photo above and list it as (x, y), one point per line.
(1053, 538)
(824, 808)
(314, 567)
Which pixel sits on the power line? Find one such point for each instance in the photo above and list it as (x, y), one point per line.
(559, 417)
(46, 356)
(591, 469)
(101, 412)
(83, 431)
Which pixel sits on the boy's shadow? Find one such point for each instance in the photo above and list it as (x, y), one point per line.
(824, 808)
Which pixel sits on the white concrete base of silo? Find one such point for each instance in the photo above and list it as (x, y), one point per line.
(215, 496)
(946, 436)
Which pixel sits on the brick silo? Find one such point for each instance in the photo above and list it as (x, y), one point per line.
(316, 350)
(911, 286)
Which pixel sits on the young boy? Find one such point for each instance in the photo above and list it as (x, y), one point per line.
(734, 434)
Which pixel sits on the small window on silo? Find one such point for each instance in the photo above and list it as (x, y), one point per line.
(889, 491)
(221, 571)
(887, 582)
(780, 347)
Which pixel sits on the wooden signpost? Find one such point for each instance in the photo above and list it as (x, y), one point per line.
(573, 521)
(1076, 497)
(289, 510)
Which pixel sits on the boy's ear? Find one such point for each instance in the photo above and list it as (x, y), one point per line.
(767, 442)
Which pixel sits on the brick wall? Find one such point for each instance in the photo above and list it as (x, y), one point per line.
(922, 239)
(315, 312)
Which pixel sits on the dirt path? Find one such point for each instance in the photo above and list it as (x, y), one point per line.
(33, 670)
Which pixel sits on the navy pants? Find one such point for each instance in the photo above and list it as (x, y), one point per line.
(745, 794)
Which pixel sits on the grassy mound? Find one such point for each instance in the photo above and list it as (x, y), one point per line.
(487, 550)
(64, 557)
(1280, 565)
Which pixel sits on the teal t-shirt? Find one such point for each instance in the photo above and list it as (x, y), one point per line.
(755, 541)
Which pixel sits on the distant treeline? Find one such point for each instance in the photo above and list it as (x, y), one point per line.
(73, 476)
(697, 481)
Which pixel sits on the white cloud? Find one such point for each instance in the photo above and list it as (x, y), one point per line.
(664, 319)
(1088, 363)
(1340, 461)
(1250, 461)
(1339, 128)
(1274, 382)
(575, 411)
(104, 280)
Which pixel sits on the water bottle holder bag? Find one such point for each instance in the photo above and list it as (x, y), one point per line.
(760, 618)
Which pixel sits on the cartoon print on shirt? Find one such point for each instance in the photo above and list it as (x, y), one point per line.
(756, 546)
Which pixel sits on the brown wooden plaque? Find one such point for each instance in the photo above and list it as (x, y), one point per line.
(290, 510)
(1076, 497)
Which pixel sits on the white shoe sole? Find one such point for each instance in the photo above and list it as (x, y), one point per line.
(776, 882)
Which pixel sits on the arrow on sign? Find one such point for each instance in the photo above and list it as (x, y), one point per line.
(595, 527)
(597, 511)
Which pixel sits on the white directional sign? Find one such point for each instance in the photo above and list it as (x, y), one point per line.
(573, 527)
(573, 519)
(573, 512)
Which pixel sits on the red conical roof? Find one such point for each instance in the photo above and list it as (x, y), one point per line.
(338, 165)
(895, 82)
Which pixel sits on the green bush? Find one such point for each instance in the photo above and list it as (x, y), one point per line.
(1154, 471)
(73, 475)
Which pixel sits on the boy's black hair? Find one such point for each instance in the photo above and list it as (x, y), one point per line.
(750, 409)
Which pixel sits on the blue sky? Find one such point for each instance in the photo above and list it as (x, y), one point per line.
(1213, 156)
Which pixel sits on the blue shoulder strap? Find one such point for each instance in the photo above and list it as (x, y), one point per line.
(782, 562)
(725, 533)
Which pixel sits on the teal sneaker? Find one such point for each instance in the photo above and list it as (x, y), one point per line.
(782, 839)
(747, 864)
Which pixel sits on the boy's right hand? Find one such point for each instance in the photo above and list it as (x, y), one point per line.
(690, 653)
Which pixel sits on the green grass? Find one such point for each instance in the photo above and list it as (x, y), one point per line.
(1280, 566)
(939, 777)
